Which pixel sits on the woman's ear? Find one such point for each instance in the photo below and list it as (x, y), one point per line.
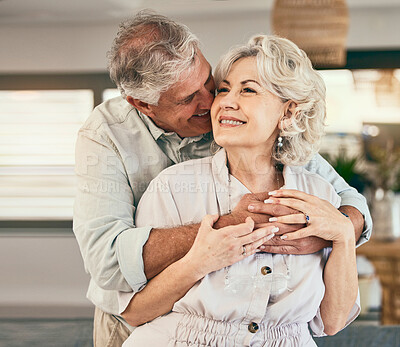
(289, 112)
(290, 109)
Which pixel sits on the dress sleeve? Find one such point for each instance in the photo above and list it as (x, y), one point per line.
(317, 325)
(156, 208)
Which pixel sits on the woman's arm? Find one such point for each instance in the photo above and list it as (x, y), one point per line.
(340, 273)
(212, 250)
(341, 283)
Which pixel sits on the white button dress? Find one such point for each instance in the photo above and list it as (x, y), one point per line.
(265, 299)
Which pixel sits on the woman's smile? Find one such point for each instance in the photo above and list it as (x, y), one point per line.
(230, 122)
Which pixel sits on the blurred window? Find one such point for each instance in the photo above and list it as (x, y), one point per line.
(38, 131)
(354, 98)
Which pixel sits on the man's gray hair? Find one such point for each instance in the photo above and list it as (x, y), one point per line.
(286, 71)
(149, 54)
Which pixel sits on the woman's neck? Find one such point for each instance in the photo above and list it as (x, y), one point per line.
(255, 169)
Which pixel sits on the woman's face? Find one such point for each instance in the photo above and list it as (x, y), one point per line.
(244, 114)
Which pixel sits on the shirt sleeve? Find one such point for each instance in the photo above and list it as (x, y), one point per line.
(349, 195)
(110, 244)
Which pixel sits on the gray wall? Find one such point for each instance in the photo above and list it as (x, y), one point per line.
(47, 48)
(42, 274)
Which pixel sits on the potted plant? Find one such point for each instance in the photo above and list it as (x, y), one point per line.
(384, 173)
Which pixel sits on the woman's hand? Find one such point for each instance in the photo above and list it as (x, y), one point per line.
(324, 220)
(214, 249)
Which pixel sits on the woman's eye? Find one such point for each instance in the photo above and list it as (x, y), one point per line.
(248, 90)
(222, 90)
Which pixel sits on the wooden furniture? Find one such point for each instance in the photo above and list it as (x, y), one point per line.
(385, 256)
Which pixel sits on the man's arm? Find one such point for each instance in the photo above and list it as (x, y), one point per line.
(166, 246)
(356, 218)
(352, 203)
(103, 216)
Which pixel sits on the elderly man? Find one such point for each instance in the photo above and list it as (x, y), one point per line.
(162, 118)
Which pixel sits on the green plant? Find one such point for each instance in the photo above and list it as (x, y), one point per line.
(385, 167)
(349, 168)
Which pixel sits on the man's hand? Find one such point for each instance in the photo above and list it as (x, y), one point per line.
(307, 245)
(252, 205)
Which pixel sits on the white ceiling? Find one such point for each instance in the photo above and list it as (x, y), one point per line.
(62, 12)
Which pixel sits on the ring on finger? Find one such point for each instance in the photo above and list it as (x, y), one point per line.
(307, 218)
(243, 250)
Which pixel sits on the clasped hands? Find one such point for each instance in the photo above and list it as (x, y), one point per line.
(286, 210)
(272, 222)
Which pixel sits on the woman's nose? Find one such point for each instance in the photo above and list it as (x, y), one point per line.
(228, 101)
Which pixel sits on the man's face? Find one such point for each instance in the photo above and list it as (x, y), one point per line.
(185, 107)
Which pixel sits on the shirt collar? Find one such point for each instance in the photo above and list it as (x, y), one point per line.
(159, 134)
(155, 131)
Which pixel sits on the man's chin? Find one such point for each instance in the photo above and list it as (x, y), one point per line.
(198, 127)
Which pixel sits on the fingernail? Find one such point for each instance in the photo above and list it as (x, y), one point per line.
(250, 207)
(283, 237)
(273, 219)
(272, 193)
(269, 237)
(268, 201)
(275, 229)
(261, 247)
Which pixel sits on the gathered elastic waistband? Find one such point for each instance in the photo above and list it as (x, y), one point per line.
(206, 331)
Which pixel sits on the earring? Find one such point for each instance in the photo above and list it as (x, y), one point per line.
(280, 139)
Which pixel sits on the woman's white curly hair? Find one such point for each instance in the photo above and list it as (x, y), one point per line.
(286, 71)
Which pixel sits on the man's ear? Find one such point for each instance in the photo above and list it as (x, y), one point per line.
(141, 106)
(289, 112)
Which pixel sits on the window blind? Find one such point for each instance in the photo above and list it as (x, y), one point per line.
(37, 137)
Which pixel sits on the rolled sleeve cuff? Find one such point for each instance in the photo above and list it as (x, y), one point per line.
(361, 205)
(130, 256)
(123, 300)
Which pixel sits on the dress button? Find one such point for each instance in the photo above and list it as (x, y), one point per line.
(265, 270)
(253, 327)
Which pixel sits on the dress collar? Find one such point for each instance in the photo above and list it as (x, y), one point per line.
(220, 174)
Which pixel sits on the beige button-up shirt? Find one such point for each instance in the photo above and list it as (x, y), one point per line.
(118, 153)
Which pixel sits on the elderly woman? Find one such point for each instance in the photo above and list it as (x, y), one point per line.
(268, 117)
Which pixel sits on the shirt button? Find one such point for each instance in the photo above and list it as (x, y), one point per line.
(253, 327)
(265, 270)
